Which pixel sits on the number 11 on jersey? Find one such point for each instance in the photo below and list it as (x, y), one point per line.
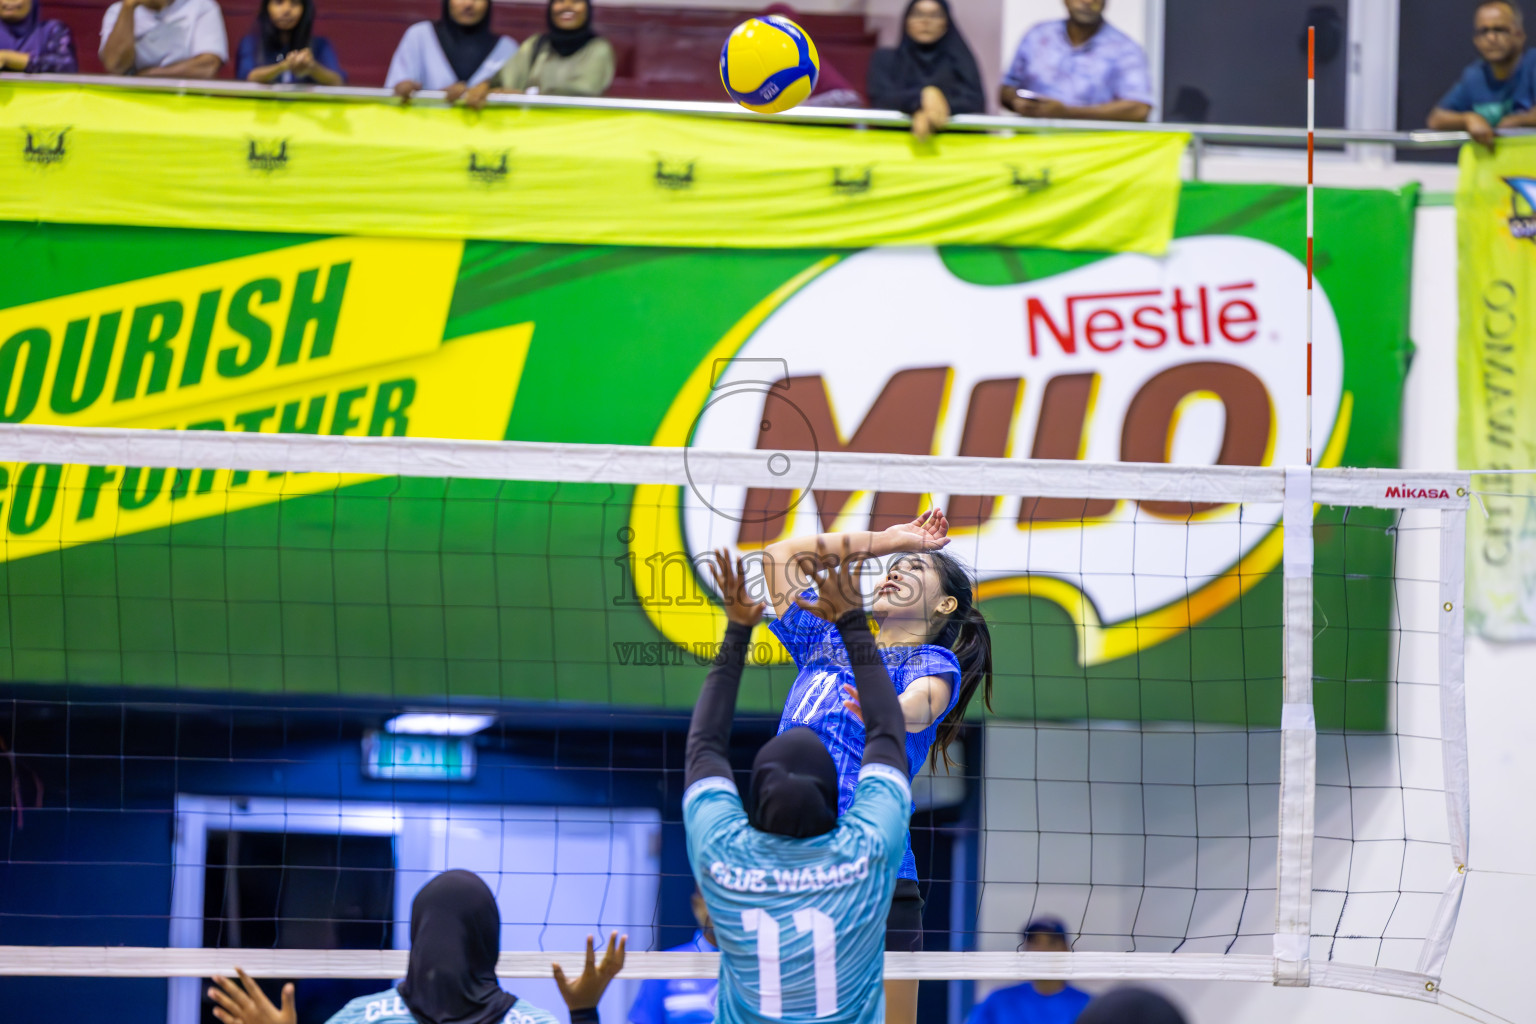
(769, 977)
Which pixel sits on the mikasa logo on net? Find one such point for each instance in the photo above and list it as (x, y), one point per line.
(1195, 357)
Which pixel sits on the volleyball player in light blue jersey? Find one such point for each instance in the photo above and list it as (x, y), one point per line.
(934, 643)
(798, 894)
(450, 977)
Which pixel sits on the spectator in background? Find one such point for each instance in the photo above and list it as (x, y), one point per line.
(164, 38)
(28, 43)
(832, 89)
(931, 73)
(568, 60)
(1499, 90)
(681, 1000)
(1082, 67)
(1131, 1006)
(1035, 1002)
(284, 49)
(454, 52)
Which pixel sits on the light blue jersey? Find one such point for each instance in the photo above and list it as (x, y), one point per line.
(816, 698)
(389, 1008)
(800, 922)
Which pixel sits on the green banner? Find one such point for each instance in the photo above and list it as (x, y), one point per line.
(528, 591)
(1496, 229)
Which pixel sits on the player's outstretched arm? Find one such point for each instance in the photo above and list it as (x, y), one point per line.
(709, 733)
(839, 601)
(788, 564)
(582, 995)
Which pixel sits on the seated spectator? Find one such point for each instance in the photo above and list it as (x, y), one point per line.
(681, 1000)
(1082, 67)
(1035, 1002)
(284, 49)
(454, 52)
(164, 38)
(28, 43)
(832, 89)
(568, 60)
(931, 73)
(1498, 91)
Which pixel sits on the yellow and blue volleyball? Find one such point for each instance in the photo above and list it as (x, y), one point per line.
(769, 64)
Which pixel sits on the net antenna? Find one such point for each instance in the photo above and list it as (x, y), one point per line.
(1311, 221)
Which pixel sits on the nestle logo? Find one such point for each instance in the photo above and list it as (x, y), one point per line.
(490, 170)
(1147, 319)
(1422, 493)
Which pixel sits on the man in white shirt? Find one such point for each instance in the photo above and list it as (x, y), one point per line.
(164, 38)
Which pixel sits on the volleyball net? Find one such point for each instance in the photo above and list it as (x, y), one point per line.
(260, 688)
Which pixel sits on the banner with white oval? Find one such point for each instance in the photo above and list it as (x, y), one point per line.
(1197, 357)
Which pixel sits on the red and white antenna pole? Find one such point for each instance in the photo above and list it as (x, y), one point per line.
(1311, 128)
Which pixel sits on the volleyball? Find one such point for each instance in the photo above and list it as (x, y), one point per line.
(769, 64)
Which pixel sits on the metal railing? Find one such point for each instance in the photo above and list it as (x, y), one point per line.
(1202, 134)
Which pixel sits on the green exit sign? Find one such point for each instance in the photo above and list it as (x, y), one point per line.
(389, 755)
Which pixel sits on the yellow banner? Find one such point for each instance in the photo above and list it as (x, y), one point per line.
(1496, 225)
(96, 155)
(340, 337)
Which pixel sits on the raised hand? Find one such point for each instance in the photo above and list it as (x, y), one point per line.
(246, 1003)
(837, 586)
(730, 579)
(928, 532)
(585, 991)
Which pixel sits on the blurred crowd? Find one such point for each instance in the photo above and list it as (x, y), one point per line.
(1076, 67)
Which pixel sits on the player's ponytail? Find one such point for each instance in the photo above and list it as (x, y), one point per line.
(966, 634)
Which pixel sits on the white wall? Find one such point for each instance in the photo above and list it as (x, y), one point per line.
(1486, 971)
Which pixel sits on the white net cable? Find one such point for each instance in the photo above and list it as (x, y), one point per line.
(1250, 765)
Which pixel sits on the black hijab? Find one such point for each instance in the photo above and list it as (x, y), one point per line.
(465, 46)
(566, 41)
(794, 786)
(897, 77)
(455, 942)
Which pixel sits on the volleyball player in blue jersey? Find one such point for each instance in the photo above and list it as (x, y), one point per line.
(797, 893)
(450, 977)
(933, 641)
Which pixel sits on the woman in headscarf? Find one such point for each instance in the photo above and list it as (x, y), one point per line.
(832, 89)
(567, 60)
(285, 49)
(28, 43)
(931, 74)
(454, 52)
(450, 977)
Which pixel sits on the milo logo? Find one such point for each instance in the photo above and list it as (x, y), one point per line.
(1197, 358)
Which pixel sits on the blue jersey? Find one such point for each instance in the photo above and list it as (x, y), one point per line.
(800, 922)
(816, 698)
(1021, 1004)
(677, 1000)
(388, 1008)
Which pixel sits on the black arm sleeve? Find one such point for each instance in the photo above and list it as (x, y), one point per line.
(885, 726)
(586, 1015)
(709, 733)
(888, 89)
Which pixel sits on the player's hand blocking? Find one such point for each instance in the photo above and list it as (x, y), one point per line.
(731, 580)
(837, 586)
(246, 1003)
(585, 992)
